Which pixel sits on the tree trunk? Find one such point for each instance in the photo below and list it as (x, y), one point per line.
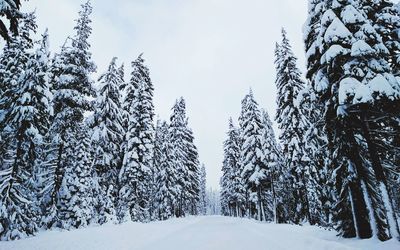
(260, 206)
(380, 177)
(360, 210)
(273, 199)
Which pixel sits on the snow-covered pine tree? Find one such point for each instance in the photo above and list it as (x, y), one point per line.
(124, 111)
(107, 138)
(76, 192)
(316, 137)
(203, 191)
(157, 155)
(166, 175)
(25, 102)
(186, 161)
(226, 180)
(12, 64)
(213, 202)
(73, 89)
(254, 170)
(135, 177)
(273, 162)
(316, 142)
(385, 18)
(293, 124)
(311, 36)
(356, 86)
(10, 10)
(177, 128)
(192, 190)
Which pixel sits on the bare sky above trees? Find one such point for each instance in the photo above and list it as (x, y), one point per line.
(211, 52)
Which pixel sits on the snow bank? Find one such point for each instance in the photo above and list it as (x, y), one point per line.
(197, 233)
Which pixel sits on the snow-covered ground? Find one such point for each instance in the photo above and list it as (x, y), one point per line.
(195, 233)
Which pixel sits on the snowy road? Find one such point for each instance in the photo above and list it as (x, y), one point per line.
(196, 233)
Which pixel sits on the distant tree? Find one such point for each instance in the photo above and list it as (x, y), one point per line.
(165, 174)
(192, 190)
(177, 129)
(213, 202)
(203, 189)
(233, 191)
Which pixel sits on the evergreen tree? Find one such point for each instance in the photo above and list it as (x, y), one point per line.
(254, 171)
(191, 196)
(292, 123)
(10, 9)
(73, 88)
(76, 192)
(273, 164)
(316, 143)
(166, 175)
(231, 161)
(385, 18)
(177, 128)
(355, 84)
(136, 173)
(213, 202)
(25, 104)
(203, 189)
(311, 34)
(107, 139)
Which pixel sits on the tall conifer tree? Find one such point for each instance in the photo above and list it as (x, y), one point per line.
(73, 88)
(135, 177)
(24, 118)
(292, 123)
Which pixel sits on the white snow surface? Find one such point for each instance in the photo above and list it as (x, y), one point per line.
(195, 233)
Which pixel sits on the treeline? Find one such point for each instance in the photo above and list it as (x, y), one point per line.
(337, 161)
(75, 152)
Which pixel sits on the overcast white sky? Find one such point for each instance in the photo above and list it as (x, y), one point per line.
(208, 51)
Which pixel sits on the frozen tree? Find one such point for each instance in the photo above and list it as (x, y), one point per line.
(177, 128)
(192, 190)
(254, 171)
(73, 87)
(385, 18)
(311, 34)
(108, 132)
(292, 123)
(233, 192)
(9, 9)
(76, 191)
(355, 83)
(165, 175)
(25, 104)
(322, 193)
(203, 191)
(273, 164)
(186, 161)
(135, 176)
(213, 202)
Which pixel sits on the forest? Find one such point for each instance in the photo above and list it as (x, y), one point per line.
(336, 163)
(77, 152)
